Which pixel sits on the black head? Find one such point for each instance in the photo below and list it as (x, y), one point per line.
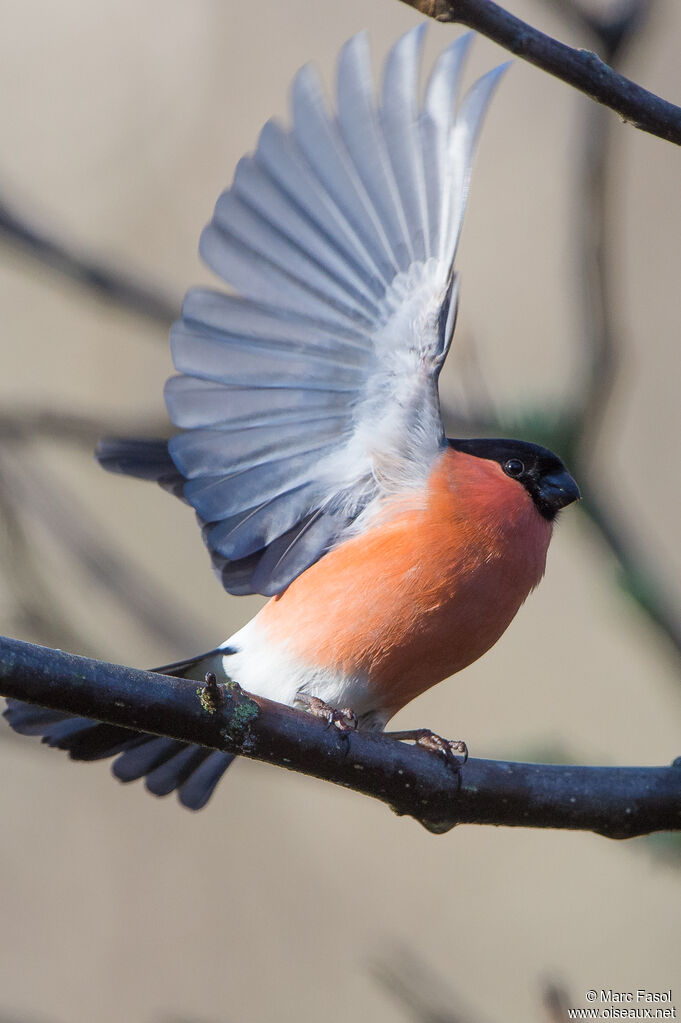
(542, 473)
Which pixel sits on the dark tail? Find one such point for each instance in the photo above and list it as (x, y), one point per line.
(145, 459)
(167, 765)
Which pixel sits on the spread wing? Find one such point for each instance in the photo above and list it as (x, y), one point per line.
(310, 396)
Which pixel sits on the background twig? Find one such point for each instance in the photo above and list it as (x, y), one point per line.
(107, 283)
(575, 429)
(42, 496)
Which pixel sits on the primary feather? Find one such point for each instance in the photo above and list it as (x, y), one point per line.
(310, 397)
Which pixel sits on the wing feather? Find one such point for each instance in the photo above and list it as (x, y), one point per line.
(286, 251)
(264, 195)
(247, 533)
(239, 361)
(210, 452)
(198, 403)
(323, 148)
(257, 276)
(279, 154)
(437, 118)
(218, 497)
(400, 124)
(359, 128)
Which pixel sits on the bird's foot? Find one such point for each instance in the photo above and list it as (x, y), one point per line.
(343, 718)
(448, 748)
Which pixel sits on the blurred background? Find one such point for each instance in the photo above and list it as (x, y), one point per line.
(289, 898)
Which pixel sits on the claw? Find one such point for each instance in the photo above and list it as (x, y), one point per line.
(448, 748)
(344, 719)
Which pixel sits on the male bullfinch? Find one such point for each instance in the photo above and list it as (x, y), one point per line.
(311, 443)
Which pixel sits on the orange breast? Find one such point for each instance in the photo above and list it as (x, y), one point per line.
(424, 591)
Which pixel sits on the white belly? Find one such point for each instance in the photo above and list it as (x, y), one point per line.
(268, 669)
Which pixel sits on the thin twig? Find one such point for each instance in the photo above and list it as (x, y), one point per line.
(613, 30)
(418, 990)
(27, 424)
(34, 609)
(601, 332)
(574, 431)
(618, 802)
(109, 284)
(582, 69)
(637, 576)
(556, 1001)
(41, 496)
(597, 223)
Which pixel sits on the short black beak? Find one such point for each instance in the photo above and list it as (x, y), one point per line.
(558, 489)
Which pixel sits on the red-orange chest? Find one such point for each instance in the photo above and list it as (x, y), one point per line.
(423, 592)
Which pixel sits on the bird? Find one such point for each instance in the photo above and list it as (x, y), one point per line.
(310, 437)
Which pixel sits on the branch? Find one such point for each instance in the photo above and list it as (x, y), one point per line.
(618, 802)
(580, 68)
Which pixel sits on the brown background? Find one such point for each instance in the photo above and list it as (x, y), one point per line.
(120, 123)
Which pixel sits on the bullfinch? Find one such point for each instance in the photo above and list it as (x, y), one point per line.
(311, 443)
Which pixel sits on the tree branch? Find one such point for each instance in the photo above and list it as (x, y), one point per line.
(580, 68)
(618, 802)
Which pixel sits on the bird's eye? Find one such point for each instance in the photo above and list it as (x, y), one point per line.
(514, 467)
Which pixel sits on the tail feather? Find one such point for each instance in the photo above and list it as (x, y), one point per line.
(167, 765)
(143, 758)
(195, 791)
(143, 458)
(173, 773)
(27, 719)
